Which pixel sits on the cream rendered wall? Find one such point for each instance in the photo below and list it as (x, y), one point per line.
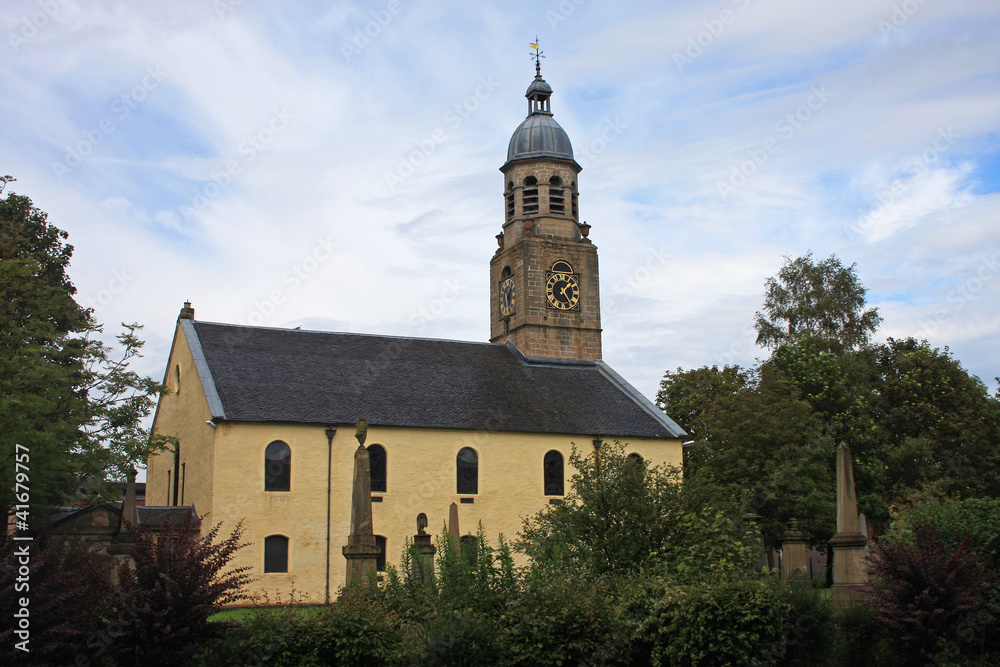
(182, 412)
(420, 478)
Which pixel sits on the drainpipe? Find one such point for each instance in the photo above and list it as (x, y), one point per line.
(330, 432)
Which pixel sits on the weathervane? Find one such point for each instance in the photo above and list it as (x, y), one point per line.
(537, 55)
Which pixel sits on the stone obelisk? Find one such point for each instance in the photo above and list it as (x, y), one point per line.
(361, 551)
(850, 575)
(454, 532)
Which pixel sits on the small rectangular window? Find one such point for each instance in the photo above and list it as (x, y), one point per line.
(275, 553)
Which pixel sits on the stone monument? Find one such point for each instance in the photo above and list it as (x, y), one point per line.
(850, 575)
(454, 532)
(794, 563)
(361, 551)
(423, 562)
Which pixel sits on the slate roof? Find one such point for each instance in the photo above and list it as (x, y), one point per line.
(165, 515)
(256, 374)
(155, 515)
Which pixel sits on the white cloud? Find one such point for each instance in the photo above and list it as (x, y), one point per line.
(359, 114)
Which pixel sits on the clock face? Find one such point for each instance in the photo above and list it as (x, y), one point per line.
(506, 296)
(562, 291)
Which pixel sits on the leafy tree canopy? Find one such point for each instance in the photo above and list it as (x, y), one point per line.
(623, 516)
(66, 401)
(824, 300)
(918, 424)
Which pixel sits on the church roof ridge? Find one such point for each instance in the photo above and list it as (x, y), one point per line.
(269, 374)
(345, 333)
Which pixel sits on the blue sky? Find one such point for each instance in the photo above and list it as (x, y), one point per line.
(335, 166)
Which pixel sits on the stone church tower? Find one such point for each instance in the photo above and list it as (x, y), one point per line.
(545, 297)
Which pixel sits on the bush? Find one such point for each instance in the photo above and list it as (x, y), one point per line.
(472, 575)
(175, 585)
(926, 589)
(734, 622)
(862, 641)
(358, 629)
(461, 638)
(561, 621)
(810, 628)
(69, 594)
(975, 518)
(624, 518)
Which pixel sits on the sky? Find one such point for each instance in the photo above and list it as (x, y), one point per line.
(334, 166)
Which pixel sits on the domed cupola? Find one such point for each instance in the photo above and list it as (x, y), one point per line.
(539, 135)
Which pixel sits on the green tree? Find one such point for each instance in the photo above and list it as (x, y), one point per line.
(825, 300)
(76, 411)
(623, 516)
(939, 425)
(752, 434)
(917, 423)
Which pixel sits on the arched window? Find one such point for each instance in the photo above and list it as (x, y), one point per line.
(380, 559)
(509, 196)
(467, 470)
(275, 553)
(634, 458)
(552, 468)
(562, 267)
(557, 200)
(277, 467)
(376, 461)
(530, 195)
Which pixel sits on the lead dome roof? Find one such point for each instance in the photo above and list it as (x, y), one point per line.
(539, 135)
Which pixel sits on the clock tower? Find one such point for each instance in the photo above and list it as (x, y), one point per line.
(544, 289)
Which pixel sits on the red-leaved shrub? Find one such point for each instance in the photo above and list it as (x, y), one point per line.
(925, 587)
(163, 602)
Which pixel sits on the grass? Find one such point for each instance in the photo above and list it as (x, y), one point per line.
(244, 613)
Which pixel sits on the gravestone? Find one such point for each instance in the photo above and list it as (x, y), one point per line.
(794, 564)
(423, 563)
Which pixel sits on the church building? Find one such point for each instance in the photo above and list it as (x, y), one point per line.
(265, 416)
